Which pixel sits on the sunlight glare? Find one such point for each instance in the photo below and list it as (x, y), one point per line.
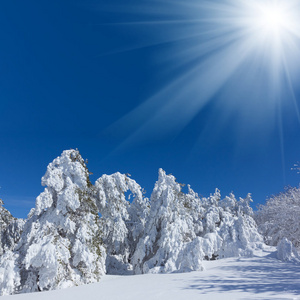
(246, 52)
(273, 18)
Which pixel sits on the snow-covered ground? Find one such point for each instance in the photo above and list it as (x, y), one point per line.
(259, 277)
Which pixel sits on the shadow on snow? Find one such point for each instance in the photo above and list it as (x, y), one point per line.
(255, 276)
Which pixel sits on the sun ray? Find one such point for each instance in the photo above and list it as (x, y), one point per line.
(251, 44)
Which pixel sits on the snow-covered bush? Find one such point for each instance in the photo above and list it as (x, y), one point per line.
(239, 235)
(122, 222)
(280, 218)
(286, 251)
(60, 245)
(237, 229)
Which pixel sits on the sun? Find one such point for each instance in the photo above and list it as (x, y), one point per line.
(273, 18)
(269, 31)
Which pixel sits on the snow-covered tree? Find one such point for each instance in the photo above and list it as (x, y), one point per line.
(10, 229)
(193, 206)
(11, 235)
(74, 225)
(5, 219)
(9, 273)
(122, 222)
(237, 228)
(60, 245)
(211, 219)
(138, 211)
(280, 218)
(169, 230)
(182, 229)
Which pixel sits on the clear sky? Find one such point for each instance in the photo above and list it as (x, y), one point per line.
(207, 90)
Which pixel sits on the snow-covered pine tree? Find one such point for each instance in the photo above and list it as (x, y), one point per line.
(182, 229)
(12, 234)
(60, 245)
(62, 241)
(138, 211)
(193, 206)
(122, 222)
(5, 217)
(211, 220)
(237, 229)
(228, 227)
(10, 229)
(169, 230)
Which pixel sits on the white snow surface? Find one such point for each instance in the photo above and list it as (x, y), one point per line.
(259, 277)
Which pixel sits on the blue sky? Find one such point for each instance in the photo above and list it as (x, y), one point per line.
(187, 86)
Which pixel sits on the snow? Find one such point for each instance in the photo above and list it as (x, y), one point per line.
(9, 272)
(60, 243)
(287, 252)
(64, 243)
(122, 223)
(182, 230)
(262, 276)
(279, 218)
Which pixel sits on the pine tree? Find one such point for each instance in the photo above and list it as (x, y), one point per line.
(10, 229)
(237, 228)
(168, 229)
(5, 217)
(182, 229)
(64, 242)
(122, 222)
(60, 245)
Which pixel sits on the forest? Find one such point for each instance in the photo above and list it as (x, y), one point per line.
(78, 231)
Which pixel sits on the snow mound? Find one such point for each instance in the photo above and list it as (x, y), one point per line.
(287, 252)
